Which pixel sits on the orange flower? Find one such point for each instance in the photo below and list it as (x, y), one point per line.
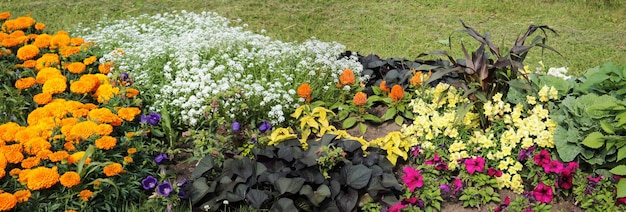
(15, 172)
(40, 26)
(131, 92)
(44, 153)
(8, 201)
(5, 15)
(58, 156)
(106, 92)
(82, 130)
(105, 68)
(69, 146)
(106, 142)
(76, 67)
(76, 157)
(27, 52)
(42, 98)
(104, 129)
(22, 195)
(42, 41)
(24, 83)
(55, 85)
(85, 195)
(47, 73)
(59, 40)
(112, 169)
(347, 77)
(128, 159)
(130, 134)
(14, 157)
(42, 178)
(131, 151)
(128, 114)
(47, 60)
(70, 179)
(77, 41)
(396, 93)
(103, 115)
(67, 51)
(383, 87)
(90, 60)
(360, 98)
(416, 79)
(30, 162)
(304, 91)
(35, 145)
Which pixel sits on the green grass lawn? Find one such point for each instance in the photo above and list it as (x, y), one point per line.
(591, 32)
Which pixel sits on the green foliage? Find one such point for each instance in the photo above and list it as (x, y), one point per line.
(286, 176)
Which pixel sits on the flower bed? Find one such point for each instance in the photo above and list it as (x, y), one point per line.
(105, 119)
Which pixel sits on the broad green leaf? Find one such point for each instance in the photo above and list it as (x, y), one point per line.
(399, 120)
(256, 197)
(362, 128)
(425, 67)
(348, 123)
(567, 150)
(606, 127)
(594, 140)
(289, 185)
(203, 166)
(621, 188)
(619, 170)
(199, 188)
(283, 204)
(372, 118)
(389, 114)
(357, 176)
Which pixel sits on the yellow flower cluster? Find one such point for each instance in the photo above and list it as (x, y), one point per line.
(46, 153)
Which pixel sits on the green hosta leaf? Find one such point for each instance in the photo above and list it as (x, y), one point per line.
(606, 127)
(390, 113)
(372, 118)
(594, 140)
(203, 166)
(621, 188)
(289, 185)
(348, 123)
(619, 170)
(357, 176)
(567, 150)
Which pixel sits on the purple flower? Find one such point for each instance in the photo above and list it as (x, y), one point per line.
(124, 77)
(265, 126)
(236, 126)
(164, 189)
(415, 151)
(149, 183)
(445, 188)
(159, 158)
(152, 119)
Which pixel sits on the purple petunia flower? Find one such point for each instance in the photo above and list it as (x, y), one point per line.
(159, 158)
(152, 119)
(164, 189)
(149, 182)
(265, 126)
(236, 126)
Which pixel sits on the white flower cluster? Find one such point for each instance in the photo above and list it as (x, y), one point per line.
(188, 60)
(559, 72)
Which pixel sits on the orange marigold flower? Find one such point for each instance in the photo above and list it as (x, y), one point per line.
(58, 156)
(105, 68)
(383, 87)
(2, 174)
(55, 85)
(128, 114)
(24, 83)
(43, 154)
(29, 64)
(81, 87)
(106, 92)
(67, 51)
(85, 195)
(347, 77)
(70, 179)
(69, 146)
(22, 195)
(96, 183)
(113, 169)
(128, 159)
(14, 157)
(5, 15)
(104, 129)
(304, 91)
(35, 145)
(70, 211)
(77, 41)
(131, 92)
(47, 73)
(82, 131)
(42, 178)
(40, 26)
(90, 60)
(76, 157)
(76, 67)
(106, 142)
(131, 151)
(8, 131)
(15, 172)
(24, 22)
(360, 98)
(42, 41)
(59, 40)
(23, 176)
(30, 162)
(27, 52)
(102, 115)
(42, 98)
(8, 201)
(396, 93)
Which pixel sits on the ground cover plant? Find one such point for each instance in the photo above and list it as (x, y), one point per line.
(453, 144)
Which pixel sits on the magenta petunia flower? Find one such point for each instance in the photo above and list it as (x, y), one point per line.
(458, 185)
(542, 158)
(553, 166)
(494, 172)
(397, 207)
(475, 164)
(437, 162)
(543, 193)
(570, 168)
(412, 178)
(594, 180)
(564, 181)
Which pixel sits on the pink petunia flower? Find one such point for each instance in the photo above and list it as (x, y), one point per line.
(543, 193)
(542, 158)
(570, 168)
(458, 185)
(553, 166)
(475, 164)
(412, 178)
(494, 172)
(564, 181)
(397, 207)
